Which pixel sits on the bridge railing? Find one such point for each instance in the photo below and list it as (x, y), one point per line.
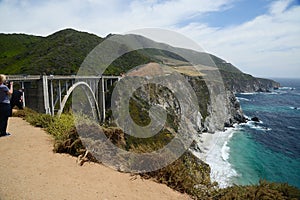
(46, 93)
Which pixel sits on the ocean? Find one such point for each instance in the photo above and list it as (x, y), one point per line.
(269, 149)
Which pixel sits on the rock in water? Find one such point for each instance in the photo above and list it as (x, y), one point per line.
(255, 119)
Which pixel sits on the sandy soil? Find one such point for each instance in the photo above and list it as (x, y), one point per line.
(30, 170)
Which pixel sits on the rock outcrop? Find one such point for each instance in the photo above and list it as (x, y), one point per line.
(240, 82)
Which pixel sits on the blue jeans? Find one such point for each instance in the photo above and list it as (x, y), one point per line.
(5, 112)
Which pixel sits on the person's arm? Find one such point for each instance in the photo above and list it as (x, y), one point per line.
(11, 90)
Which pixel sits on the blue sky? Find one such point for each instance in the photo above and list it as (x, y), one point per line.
(261, 37)
(240, 12)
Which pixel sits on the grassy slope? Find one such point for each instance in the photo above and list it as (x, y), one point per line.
(59, 53)
(64, 51)
(13, 51)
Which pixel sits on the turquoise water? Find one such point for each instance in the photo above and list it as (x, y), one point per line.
(253, 161)
(270, 149)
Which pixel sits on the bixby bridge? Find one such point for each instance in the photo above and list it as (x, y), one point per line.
(49, 93)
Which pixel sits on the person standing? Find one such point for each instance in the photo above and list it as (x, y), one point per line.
(5, 108)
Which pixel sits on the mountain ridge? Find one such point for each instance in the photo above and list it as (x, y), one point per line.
(63, 52)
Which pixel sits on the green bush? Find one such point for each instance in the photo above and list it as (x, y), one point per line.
(66, 139)
(187, 174)
(24, 112)
(39, 120)
(60, 127)
(263, 190)
(65, 135)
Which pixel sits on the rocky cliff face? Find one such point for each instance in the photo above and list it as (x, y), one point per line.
(240, 82)
(217, 106)
(219, 109)
(214, 110)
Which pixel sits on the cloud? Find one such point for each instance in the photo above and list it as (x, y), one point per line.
(101, 17)
(279, 6)
(268, 45)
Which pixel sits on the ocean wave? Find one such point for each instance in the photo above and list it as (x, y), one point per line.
(249, 121)
(272, 93)
(225, 151)
(292, 127)
(286, 88)
(254, 125)
(247, 117)
(216, 153)
(225, 148)
(242, 99)
(248, 93)
(294, 108)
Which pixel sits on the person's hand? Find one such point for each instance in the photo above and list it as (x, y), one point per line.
(11, 90)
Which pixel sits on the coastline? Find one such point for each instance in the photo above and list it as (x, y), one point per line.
(215, 152)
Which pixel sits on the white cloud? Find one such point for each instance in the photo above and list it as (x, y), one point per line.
(279, 6)
(101, 17)
(269, 45)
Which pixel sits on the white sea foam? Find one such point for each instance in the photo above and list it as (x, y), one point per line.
(254, 125)
(216, 152)
(294, 108)
(274, 93)
(242, 99)
(248, 93)
(247, 117)
(225, 147)
(225, 151)
(292, 127)
(286, 88)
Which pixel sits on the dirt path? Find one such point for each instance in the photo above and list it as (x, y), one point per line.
(30, 170)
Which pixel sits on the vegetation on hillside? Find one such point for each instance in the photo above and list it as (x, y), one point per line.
(63, 52)
(59, 53)
(187, 174)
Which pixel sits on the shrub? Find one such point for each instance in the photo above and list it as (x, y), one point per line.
(263, 190)
(39, 120)
(22, 113)
(187, 174)
(60, 127)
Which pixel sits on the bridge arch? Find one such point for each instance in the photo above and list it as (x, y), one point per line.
(89, 93)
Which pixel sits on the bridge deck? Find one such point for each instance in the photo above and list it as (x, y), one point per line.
(56, 77)
(48, 93)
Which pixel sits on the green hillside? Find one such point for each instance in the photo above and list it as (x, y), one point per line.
(63, 52)
(59, 53)
(14, 51)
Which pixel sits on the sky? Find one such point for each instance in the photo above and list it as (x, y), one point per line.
(260, 37)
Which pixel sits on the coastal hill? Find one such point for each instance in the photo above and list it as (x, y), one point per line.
(64, 51)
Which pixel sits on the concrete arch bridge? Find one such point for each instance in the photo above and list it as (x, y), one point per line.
(49, 93)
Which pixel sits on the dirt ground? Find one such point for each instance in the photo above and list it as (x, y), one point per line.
(30, 170)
